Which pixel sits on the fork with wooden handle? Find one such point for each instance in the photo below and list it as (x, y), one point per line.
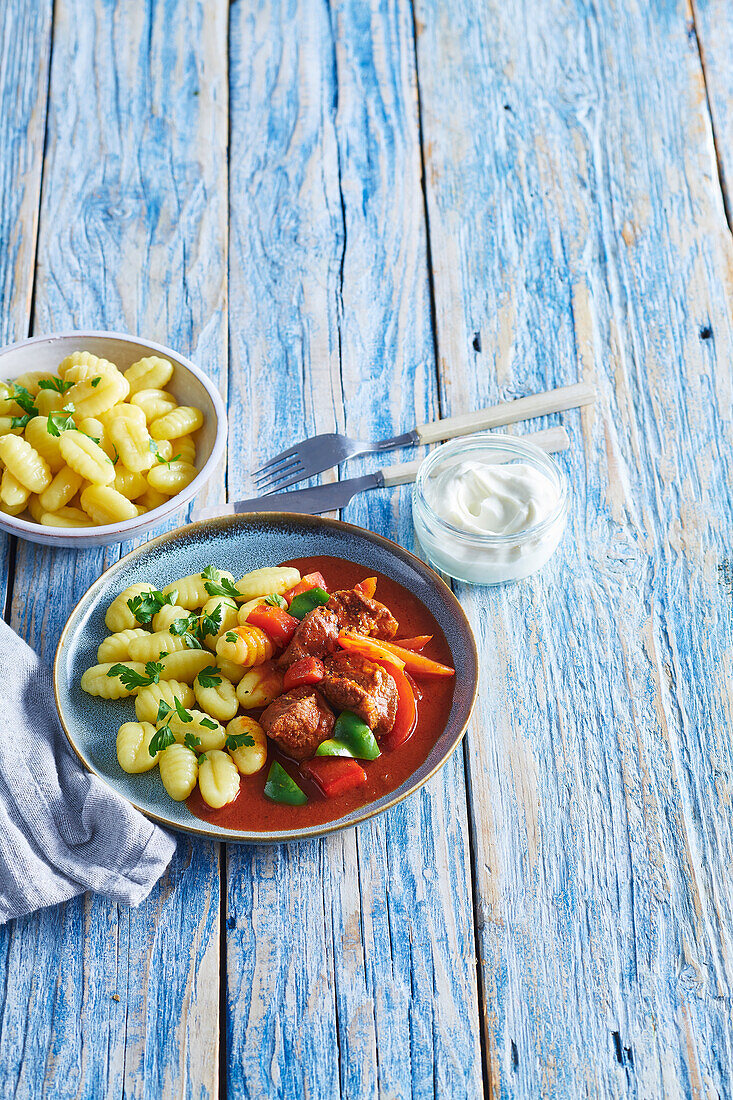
(327, 498)
(313, 456)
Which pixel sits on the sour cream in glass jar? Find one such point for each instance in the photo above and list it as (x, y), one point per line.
(489, 508)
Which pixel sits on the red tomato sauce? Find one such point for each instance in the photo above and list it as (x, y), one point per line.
(251, 811)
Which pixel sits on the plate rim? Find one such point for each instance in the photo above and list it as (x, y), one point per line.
(232, 836)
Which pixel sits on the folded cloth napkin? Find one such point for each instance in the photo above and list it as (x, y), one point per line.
(61, 830)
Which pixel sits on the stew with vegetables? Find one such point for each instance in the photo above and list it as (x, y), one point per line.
(365, 691)
(279, 700)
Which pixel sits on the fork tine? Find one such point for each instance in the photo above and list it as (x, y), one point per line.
(280, 471)
(283, 482)
(277, 459)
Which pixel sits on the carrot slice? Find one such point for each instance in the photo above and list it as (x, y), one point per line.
(367, 587)
(413, 662)
(414, 643)
(367, 647)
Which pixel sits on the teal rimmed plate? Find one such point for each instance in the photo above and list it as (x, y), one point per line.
(242, 543)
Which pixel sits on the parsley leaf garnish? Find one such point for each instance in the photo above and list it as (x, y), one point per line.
(191, 741)
(208, 724)
(236, 740)
(162, 739)
(148, 604)
(194, 628)
(218, 585)
(21, 397)
(133, 679)
(231, 637)
(153, 446)
(163, 711)
(181, 710)
(20, 421)
(60, 385)
(59, 422)
(276, 601)
(209, 677)
(96, 381)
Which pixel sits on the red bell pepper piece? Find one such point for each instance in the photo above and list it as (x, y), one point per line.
(310, 580)
(276, 623)
(406, 716)
(413, 643)
(334, 774)
(308, 670)
(367, 587)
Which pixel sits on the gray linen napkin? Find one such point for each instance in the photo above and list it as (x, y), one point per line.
(61, 830)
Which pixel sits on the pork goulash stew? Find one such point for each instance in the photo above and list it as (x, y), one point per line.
(285, 699)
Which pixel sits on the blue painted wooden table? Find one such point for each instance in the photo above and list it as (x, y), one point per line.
(366, 214)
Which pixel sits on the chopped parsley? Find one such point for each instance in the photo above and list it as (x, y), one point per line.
(59, 385)
(218, 585)
(236, 740)
(209, 677)
(148, 604)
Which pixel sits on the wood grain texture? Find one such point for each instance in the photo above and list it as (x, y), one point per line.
(132, 237)
(711, 24)
(25, 50)
(350, 961)
(577, 231)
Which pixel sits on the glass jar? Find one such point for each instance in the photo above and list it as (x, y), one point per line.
(487, 558)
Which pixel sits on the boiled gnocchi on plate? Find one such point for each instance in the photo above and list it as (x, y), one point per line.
(92, 445)
(193, 664)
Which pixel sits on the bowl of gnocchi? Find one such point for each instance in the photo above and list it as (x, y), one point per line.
(103, 436)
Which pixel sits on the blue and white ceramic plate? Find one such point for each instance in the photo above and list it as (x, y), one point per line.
(242, 543)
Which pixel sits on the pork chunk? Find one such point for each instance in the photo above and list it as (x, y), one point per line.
(298, 721)
(362, 686)
(357, 612)
(314, 637)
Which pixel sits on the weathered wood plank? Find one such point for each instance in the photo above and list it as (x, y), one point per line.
(712, 26)
(350, 962)
(25, 50)
(133, 237)
(577, 229)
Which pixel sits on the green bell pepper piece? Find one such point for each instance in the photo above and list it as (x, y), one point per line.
(281, 788)
(354, 735)
(333, 748)
(306, 601)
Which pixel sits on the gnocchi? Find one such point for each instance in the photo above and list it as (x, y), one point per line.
(98, 681)
(116, 647)
(245, 645)
(249, 758)
(218, 779)
(217, 699)
(119, 616)
(179, 769)
(192, 590)
(133, 747)
(259, 686)
(190, 665)
(261, 582)
(199, 726)
(25, 463)
(148, 698)
(91, 425)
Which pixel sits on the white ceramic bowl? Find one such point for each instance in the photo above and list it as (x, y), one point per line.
(188, 385)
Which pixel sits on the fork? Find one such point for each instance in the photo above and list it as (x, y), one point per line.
(313, 456)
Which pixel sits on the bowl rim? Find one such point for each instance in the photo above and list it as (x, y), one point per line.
(19, 527)
(310, 832)
(501, 441)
